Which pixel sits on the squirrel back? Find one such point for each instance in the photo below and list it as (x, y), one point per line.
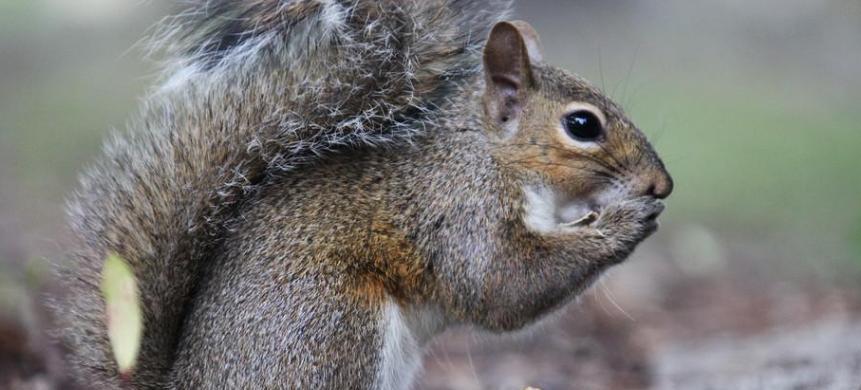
(253, 89)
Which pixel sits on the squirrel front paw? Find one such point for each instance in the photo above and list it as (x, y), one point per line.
(630, 221)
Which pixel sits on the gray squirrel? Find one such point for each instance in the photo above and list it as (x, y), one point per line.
(320, 187)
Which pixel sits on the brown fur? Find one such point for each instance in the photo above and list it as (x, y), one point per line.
(255, 274)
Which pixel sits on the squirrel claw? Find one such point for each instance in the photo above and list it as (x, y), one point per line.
(585, 220)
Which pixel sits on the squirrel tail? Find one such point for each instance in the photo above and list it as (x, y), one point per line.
(252, 88)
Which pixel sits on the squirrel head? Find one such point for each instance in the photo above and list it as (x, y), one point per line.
(573, 148)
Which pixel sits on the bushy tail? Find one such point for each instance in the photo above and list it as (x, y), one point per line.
(253, 88)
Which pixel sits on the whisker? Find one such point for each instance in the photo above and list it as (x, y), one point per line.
(610, 297)
(640, 157)
(604, 164)
(601, 72)
(622, 168)
(625, 97)
(607, 176)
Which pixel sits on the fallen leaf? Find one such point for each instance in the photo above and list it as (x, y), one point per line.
(122, 305)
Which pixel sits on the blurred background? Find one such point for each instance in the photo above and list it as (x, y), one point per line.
(752, 282)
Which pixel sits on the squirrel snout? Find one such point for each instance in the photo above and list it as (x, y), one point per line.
(656, 183)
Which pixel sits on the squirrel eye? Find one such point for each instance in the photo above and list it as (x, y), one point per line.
(583, 125)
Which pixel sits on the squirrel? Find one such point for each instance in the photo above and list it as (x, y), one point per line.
(320, 187)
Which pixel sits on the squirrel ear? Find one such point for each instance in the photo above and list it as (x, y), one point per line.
(511, 50)
(530, 39)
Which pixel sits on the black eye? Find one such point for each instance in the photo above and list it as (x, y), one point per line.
(583, 125)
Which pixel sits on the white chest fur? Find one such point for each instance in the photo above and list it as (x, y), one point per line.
(404, 334)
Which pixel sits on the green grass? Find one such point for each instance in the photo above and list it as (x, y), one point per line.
(855, 240)
(57, 124)
(746, 160)
(15, 14)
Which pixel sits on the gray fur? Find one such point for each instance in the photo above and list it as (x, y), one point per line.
(476, 263)
(311, 165)
(324, 81)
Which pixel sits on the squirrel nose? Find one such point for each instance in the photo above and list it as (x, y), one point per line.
(657, 183)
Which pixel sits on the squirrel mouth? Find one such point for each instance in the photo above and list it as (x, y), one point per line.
(547, 211)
